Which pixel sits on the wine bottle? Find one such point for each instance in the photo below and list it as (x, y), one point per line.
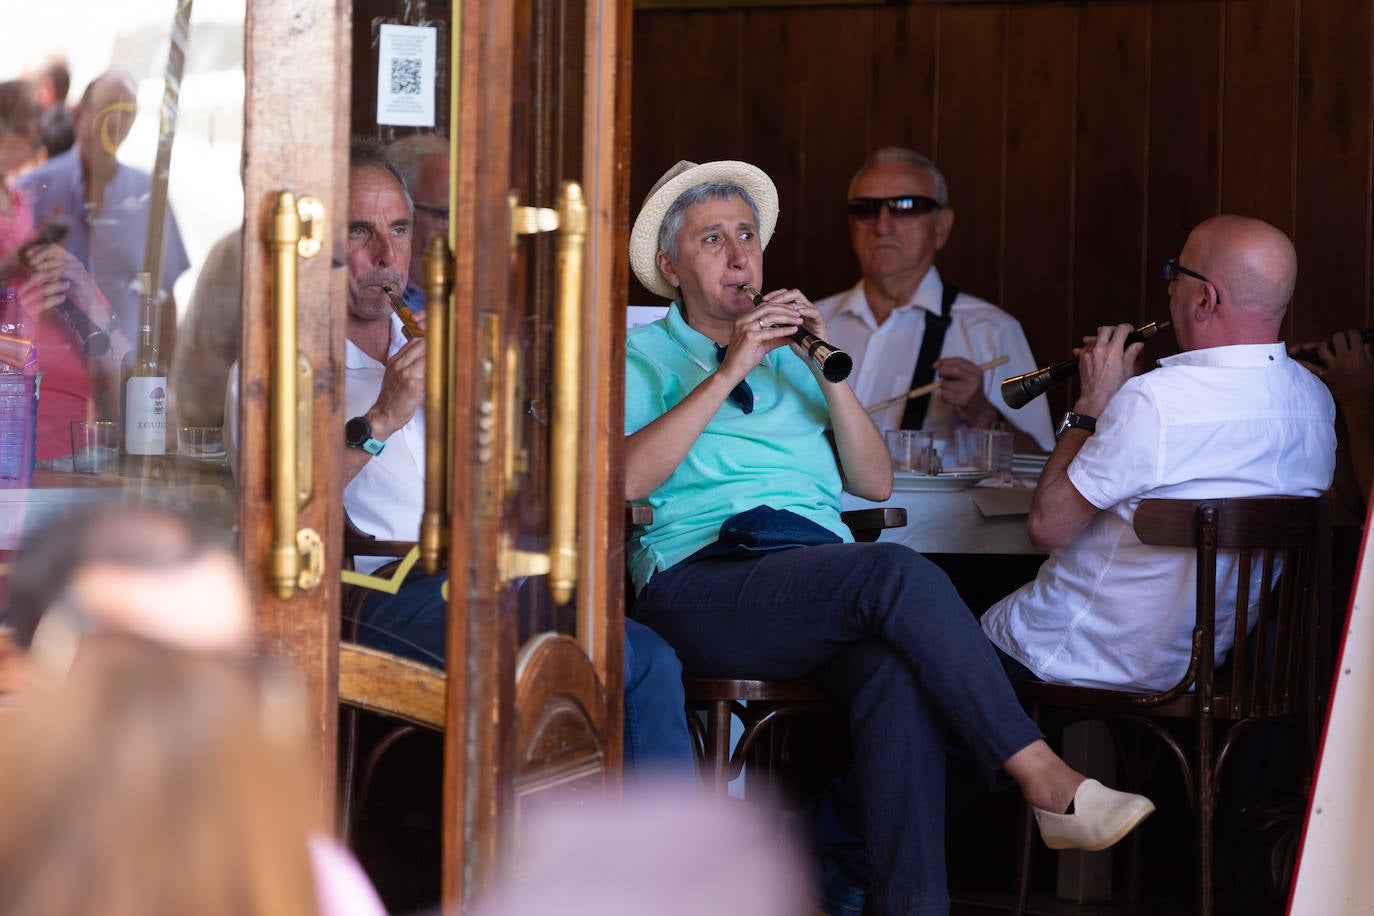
(143, 381)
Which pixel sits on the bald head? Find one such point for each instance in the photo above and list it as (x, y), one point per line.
(104, 117)
(1251, 269)
(1253, 264)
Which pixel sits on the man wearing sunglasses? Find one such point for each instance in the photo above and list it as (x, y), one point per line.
(1232, 415)
(422, 160)
(899, 219)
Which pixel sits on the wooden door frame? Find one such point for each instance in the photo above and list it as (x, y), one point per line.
(479, 741)
(293, 142)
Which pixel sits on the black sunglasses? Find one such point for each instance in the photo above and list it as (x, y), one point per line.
(866, 208)
(1172, 269)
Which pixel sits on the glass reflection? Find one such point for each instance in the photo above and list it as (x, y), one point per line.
(107, 178)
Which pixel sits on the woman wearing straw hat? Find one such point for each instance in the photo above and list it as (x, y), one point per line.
(742, 448)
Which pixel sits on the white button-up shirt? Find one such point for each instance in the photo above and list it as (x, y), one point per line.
(1108, 611)
(386, 499)
(885, 354)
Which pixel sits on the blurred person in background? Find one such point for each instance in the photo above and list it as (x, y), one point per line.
(899, 220)
(51, 86)
(208, 343)
(45, 275)
(151, 768)
(104, 204)
(148, 779)
(664, 850)
(422, 160)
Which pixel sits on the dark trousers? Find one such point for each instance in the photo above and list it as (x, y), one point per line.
(889, 636)
(412, 624)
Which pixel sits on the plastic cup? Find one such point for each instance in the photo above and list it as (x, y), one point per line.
(987, 450)
(201, 443)
(913, 450)
(95, 447)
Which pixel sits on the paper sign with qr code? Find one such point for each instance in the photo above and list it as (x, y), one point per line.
(405, 75)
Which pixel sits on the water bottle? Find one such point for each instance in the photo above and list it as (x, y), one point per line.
(18, 394)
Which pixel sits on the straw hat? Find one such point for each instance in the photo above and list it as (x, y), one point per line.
(681, 177)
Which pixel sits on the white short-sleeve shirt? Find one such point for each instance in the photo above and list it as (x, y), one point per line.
(885, 354)
(1107, 611)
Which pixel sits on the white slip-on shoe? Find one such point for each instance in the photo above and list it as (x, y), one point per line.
(1101, 816)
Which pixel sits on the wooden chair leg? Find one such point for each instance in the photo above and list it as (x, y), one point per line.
(718, 743)
(350, 752)
(374, 757)
(1206, 811)
(1023, 860)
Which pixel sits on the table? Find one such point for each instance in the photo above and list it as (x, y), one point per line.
(978, 520)
(52, 493)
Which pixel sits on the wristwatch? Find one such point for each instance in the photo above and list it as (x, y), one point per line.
(358, 434)
(1075, 421)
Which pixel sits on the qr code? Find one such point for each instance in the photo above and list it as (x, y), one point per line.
(405, 75)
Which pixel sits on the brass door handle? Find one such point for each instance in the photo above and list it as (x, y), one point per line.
(438, 287)
(564, 446)
(296, 231)
(560, 563)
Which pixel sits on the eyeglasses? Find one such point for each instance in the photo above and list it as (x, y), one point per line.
(1172, 269)
(436, 212)
(866, 208)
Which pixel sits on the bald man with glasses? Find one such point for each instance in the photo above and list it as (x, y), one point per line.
(1231, 415)
(899, 219)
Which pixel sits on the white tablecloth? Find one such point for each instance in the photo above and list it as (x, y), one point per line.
(981, 519)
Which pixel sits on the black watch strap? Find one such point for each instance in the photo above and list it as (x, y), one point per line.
(1076, 421)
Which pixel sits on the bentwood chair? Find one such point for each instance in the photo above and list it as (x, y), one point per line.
(1273, 672)
(378, 682)
(761, 706)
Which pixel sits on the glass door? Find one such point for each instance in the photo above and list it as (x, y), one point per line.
(176, 144)
(540, 230)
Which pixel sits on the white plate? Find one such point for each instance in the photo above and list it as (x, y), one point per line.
(912, 482)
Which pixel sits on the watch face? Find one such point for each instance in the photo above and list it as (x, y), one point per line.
(357, 431)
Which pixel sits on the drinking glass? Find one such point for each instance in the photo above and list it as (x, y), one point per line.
(913, 450)
(201, 443)
(987, 450)
(95, 447)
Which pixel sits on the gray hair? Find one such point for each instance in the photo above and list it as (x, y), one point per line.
(709, 190)
(911, 157)
(407, 152)
(364, 153)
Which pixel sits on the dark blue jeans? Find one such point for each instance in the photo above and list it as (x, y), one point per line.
(411, 624)
(888, 634)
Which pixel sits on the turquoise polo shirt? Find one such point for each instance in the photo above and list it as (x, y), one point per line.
(777, 456)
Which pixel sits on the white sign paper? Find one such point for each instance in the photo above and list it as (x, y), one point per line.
(405, 75)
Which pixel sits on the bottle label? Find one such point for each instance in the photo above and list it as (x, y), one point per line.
(145, 415)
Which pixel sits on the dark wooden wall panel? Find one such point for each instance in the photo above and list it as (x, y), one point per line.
(1037, 262)
(768, 128)
(901, 109)
(1185, 134)
(1113, 80)
(969, 142)
(1082, 140)
(1332, 221)
(1258, 72)
(835, 43)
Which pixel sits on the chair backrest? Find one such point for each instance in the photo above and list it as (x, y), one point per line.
(1274, 667)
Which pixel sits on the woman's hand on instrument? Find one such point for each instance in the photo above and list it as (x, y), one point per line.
(810, 315)
(756, 334)
(1104, 365)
